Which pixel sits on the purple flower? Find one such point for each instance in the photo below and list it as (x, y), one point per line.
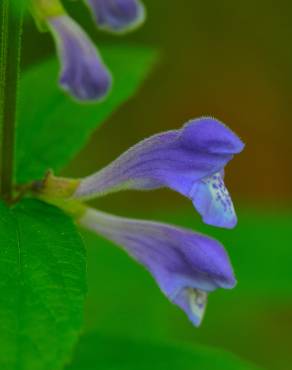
(190, 161)
(117, 15)
(186, 265)
(83, 73)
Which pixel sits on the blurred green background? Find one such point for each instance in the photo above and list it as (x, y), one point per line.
(231, 60)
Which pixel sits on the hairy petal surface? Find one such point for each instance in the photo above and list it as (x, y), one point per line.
(83, 73)
(186, 265)
(117, 15)
(189, 160)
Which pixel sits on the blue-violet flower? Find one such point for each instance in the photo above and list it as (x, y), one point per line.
(117, 15)
(83, 73)
(189, 160)
(186, 265)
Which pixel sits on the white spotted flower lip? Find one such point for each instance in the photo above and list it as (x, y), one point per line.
(212, 200)
(189, 160)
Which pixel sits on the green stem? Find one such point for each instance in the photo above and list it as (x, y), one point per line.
(11, 31)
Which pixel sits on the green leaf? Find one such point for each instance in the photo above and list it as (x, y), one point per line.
(96, 352)
(53, 127)
(42, 286)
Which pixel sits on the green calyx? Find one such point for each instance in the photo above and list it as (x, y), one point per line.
(55, 187)
(41, 10)
(58, 191)
(72, 208)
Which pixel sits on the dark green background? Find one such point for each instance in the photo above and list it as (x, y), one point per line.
(231, 60)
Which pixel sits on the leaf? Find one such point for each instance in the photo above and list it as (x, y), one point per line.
(53, 127)
(96, 352)
(42, 286)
